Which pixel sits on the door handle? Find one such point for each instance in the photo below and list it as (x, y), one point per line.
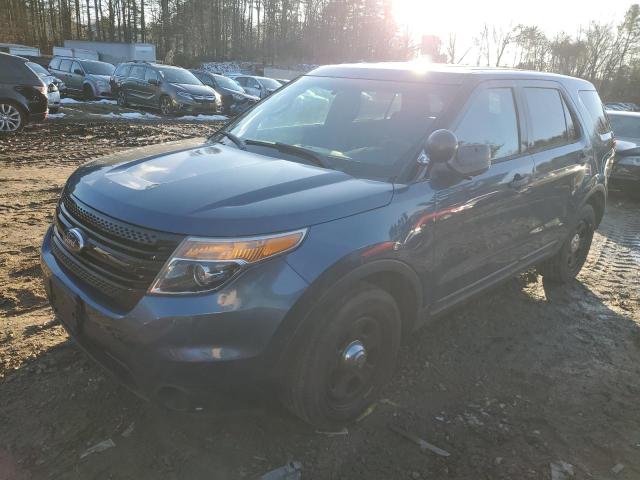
(520, 181)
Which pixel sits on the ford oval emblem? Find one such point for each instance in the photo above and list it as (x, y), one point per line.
(74, 240)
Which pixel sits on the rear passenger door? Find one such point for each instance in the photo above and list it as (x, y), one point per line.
(133, 84)
(484, 222)
(76, 76)
(64, 72)
(560, 152)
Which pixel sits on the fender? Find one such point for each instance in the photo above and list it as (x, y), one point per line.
(331, 284)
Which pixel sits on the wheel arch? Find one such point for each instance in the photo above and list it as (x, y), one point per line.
(393, 276)
(597, 198)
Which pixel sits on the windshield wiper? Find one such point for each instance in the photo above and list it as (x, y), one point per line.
(234, 138)
(294, 149)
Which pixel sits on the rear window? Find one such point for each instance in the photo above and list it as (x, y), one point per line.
(65, 65)
(137, 72)
(549, 122)
(55, 63)
(122, 70)
(598, 120)
(17, 72)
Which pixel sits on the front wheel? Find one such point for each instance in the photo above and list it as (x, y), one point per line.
(346, 359)
(166, 106)
(87, 92)
(122, 98)
(12, 118)
(567, 263)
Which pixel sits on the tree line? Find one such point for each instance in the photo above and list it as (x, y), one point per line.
(322, 31)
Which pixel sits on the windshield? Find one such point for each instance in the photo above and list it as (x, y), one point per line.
(625, 126)
(366, 128)
(226, 82)
(39, 69)
(270, 83)
(178, 75)
(98, 68)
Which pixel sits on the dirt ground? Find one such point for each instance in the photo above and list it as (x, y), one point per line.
(525, 376)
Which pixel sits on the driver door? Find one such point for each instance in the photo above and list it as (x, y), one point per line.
(483, 229)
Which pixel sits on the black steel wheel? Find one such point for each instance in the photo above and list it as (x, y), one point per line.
(346, 358)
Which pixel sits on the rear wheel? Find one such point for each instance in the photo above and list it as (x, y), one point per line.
(346, 359)
(12, 118)
(567, 263)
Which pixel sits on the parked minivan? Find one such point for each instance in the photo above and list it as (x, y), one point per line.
(89, 78)
(23, 95)
(300, 243)
(172, 90)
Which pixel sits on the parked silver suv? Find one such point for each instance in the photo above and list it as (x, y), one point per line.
(88, 78)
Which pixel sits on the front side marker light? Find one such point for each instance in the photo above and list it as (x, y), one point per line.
(204, 264)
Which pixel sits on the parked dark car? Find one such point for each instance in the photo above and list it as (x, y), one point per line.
(89, 78)
(233, 97)
(297, 246)
(260, 87)
(55, 86)
(172, 90)
(23, 95)
(625, 174)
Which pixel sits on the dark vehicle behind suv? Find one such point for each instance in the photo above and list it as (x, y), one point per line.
(297, 246)
(23, 95)
(172, 90)
(233, 97)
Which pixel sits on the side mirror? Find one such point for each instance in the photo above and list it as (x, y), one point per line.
(441, 146)
(77, 71)
(471, 160)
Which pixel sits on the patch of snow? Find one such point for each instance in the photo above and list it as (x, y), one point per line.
(103, 101)
(69, 101)
(55, 116)
(204, 118)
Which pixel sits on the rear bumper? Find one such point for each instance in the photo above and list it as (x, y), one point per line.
(199, 345)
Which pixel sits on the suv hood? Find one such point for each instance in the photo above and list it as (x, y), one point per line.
(220, 191)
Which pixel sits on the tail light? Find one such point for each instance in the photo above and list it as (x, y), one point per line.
(42, 89)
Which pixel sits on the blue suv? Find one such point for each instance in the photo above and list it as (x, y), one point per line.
(301, 243)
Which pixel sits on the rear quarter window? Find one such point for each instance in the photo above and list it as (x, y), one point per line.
(55, 64)
(17, 73)
(598, 121)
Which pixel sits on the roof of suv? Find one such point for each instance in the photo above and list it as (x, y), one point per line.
(436, 72)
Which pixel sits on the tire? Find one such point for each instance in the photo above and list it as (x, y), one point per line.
(565, 265)
(122, 98)
(87, 92)
(331, 381)
(166, 106)
(12, 117)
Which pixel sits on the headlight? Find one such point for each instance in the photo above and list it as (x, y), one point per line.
(205, 264)
(629, 161)
(185, 95)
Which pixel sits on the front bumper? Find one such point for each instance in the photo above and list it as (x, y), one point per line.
(205, 344)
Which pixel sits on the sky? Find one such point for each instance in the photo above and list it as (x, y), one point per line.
(440, 17)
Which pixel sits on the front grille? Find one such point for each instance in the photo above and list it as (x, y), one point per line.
(119, 261)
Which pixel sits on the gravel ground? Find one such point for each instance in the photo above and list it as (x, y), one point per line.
(524, 376)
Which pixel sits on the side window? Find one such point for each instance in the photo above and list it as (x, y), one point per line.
(242, 81)
(593, 104)
(75, 66)
(65, 65)
(137, 71)
(573, 130)
(55, 64)
(150, 75)
(549, 126)
(491, 119)
(252, 83)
